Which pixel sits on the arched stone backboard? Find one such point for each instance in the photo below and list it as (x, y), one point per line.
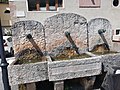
(21, 29)
(57, 25)
(94, 38)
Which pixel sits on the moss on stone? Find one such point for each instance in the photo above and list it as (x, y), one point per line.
(63, 57)
(103, 53)
(30, 56)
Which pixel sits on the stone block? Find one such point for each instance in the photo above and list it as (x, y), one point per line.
(61, 70)
(27, 73)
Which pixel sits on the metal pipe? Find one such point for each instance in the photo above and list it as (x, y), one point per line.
(101, 31)
(67, 34)
(4, 63)
(30, 38)
(87, 37)
(93, 2)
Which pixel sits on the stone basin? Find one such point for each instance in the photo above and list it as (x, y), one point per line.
(28, 73)
(74, 68)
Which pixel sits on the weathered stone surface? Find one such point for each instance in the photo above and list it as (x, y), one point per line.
(94, 38)
(111, 59)
(27, 73)
(21, 29)
(55, 28)
(61, 70)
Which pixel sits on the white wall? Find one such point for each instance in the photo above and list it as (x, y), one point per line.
(72, 6)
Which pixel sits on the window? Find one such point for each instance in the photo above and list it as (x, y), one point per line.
(89, 3)
(116, 36)
(118, 32)
(44, 5)
(115, 3)
(3, 1)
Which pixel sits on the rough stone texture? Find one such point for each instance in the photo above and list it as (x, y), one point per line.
(23, 28)
(55, 28)
(93, 26)
(111, 59)
(61, 70)
(27, 73)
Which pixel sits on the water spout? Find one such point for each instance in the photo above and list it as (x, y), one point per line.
(101, 33)
(30, 38)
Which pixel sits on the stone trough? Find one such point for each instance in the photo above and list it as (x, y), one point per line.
(61, 70)
(28, 73)
(74, 68)
(40, 45)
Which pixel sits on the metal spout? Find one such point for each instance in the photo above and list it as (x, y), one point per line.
(67, 34)
(30, 38)
(101, 33)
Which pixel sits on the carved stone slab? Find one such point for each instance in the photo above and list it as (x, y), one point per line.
(61, 70)
(23, 28)
(93, 26)
(55, 28)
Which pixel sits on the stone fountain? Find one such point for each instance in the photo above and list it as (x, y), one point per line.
(54, 51)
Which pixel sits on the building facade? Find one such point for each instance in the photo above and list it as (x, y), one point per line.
(5, 17)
